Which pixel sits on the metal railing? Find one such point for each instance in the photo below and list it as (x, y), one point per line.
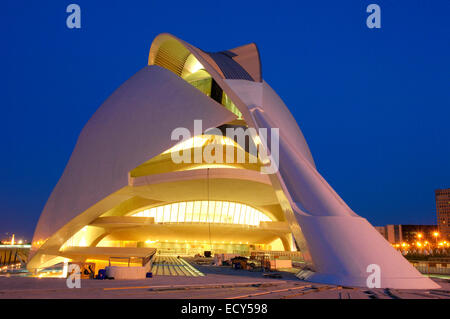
(432, 267)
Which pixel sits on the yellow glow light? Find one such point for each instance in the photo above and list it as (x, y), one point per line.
(220, 212)
(192, 65)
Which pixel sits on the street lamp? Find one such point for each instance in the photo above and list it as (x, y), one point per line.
(436, 235)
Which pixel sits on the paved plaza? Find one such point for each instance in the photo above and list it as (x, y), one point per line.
(218, 282)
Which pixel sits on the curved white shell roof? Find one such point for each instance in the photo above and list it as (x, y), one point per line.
(134, 125)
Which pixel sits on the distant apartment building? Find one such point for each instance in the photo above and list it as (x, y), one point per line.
(443, 212)
(396, 234)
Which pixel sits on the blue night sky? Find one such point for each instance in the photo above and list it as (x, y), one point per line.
(373, 104)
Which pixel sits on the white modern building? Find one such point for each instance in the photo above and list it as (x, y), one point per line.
(122, 194)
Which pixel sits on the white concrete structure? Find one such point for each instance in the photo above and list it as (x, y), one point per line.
(119, 175)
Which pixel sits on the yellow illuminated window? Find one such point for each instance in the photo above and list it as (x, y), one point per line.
(182, 212)
(231, 211)
(174, 213)
(204, 212)
(160, 214)
(166, 216)
(236, 214)
(196, 212)
(189, 210)
(218, 212)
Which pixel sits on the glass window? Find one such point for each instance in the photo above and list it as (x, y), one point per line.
(152, 213)
(166, 215)
(174, 213)
(247, 216)
(237, 212)
(160, 214)
(196, 212)
(218, 212)
(182, 212)
(231, 210)
(244, 212)
(253, 217)
(211, 212)
(224, 214)
(189, 211)
(205, 212)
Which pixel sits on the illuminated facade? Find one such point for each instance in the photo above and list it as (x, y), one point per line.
(217, 212)
(123, 194)
(443, 213)
(398, 234)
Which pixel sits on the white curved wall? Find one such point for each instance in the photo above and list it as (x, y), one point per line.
(133, 125)
(342, 244)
